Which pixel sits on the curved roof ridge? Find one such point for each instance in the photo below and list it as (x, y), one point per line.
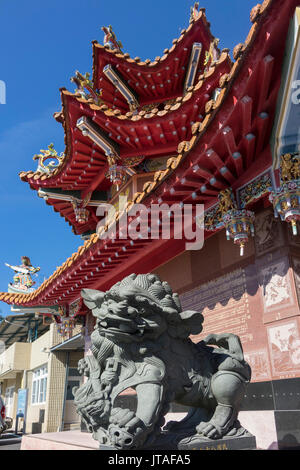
(156, 112)
(147, 62)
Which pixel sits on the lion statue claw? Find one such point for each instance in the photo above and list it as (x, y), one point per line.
(141, 341)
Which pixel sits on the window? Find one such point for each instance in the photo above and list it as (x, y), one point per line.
(9, 398)
(39, 385)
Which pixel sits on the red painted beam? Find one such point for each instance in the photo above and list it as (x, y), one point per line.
(246, 104)
(265, 78)
(229, 140)
(262, 127)
(249, 148)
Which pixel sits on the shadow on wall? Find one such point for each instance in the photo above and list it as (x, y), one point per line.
(289, 442)
(233, 285)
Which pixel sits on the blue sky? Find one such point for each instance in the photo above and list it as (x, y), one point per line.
(41, 46)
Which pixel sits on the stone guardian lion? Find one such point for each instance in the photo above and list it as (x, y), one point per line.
(141, 341)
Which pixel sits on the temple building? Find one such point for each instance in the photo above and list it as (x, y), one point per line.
(191, 128)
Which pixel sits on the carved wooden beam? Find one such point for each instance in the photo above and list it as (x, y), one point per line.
(121, 85)
(193, 66)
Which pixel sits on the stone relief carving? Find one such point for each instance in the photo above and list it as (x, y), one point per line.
(284, 343)
(276, 288)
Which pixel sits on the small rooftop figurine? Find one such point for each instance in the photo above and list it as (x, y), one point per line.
(194, 12)
(83, 82)
(213, 54)
(110, 39)
(22, 281)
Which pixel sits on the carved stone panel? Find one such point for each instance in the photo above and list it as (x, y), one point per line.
(258, 359)
(284, 346)
(224, 303)
(278, 291)
(253, 302)
(232, 303)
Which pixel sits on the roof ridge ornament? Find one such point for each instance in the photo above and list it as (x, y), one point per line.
(50, 153)
(196, 12)
(110, 39)
(212, 55)
(84, 82)
(22, 280)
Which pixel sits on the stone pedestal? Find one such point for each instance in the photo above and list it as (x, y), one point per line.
(180, 441)
(229, 443)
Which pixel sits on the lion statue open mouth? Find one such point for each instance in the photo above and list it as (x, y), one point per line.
(141, 340)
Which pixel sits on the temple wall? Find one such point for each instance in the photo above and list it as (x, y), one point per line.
(256, 297)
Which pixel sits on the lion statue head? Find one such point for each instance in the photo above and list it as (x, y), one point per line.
(138, 308)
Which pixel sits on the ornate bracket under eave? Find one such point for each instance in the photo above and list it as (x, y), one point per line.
(98, 136)
(63, 196)
(82, 214)
(120, 84)
(117, 171)
(38, 309)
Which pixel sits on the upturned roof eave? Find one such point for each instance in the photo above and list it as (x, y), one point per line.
(37, 179)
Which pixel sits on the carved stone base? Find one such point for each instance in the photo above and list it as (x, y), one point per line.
(104, 447)
(227, 443)
(180, 441)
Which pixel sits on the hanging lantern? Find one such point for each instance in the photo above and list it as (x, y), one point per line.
(117, 175)
(286, 203)
(286, 198)
(239, 223)
(81, 213)
(239, 226)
